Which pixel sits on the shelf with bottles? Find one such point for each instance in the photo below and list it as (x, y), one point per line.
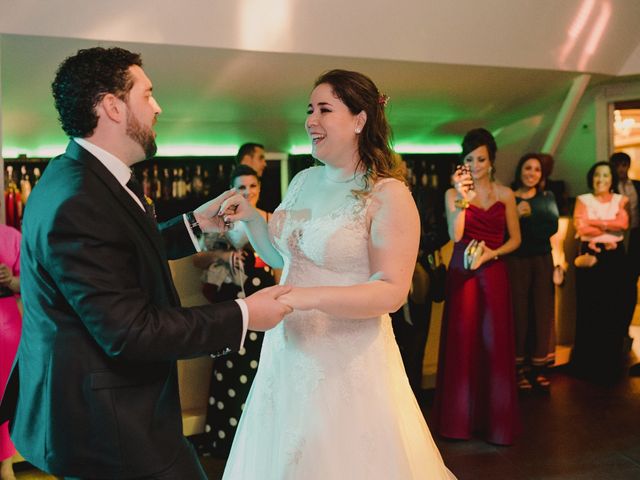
(20, 176)
(180, 184)
(175, 184)
(429, 177)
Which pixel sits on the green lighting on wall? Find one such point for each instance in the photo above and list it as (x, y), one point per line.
(49, 151)
(300, 149)
(45, 151)
(400, 148)
(427, 148)
(197, 150)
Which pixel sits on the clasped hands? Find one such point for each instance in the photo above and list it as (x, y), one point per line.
(218, 215)
(269, 305)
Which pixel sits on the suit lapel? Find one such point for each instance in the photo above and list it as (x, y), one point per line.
(148, 227)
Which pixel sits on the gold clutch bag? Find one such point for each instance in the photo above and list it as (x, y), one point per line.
(472, 254)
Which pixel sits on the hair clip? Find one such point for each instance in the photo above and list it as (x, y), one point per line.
(383, 99)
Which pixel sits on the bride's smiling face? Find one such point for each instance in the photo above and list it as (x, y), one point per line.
(331, 126)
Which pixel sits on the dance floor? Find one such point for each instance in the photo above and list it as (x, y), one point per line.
(577, 431)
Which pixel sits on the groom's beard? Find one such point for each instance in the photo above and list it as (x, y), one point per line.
(143, 136)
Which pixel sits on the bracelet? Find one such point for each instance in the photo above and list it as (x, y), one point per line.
(193, 224)
(461, 203)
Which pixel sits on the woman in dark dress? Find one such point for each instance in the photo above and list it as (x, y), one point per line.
(476, 390)
(531, 274)
(232, 270)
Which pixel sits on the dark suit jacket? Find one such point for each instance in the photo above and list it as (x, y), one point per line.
(98, 391)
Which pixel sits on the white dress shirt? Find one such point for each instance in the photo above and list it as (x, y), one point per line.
(122, 174)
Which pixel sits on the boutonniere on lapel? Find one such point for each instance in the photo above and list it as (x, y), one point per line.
(150, 207)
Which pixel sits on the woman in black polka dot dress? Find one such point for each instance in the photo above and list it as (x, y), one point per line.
(232, 270)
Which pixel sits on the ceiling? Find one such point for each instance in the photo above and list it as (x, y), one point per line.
(225, 97)
(505, 75)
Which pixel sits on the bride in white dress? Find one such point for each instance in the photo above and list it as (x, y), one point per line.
(331, 399)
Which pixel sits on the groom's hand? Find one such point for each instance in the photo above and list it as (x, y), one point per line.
(207, 214)
(265, 311)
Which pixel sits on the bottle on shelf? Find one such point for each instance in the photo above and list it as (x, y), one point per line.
(174, 184)
(25, 184)
(197, 185)
(206, 184)
(156, 183)
(182, 185)
(36, 175)
(187, 181)
(167, 187)
(12, 200)
(221, 182)
(146, 183)
(433, 175)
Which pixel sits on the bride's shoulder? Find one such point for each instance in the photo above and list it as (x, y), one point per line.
(390, 186)
(392, 193)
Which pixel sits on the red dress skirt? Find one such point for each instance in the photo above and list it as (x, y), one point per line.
(476, 383)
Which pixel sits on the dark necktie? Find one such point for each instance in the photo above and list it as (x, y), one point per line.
(136, 188)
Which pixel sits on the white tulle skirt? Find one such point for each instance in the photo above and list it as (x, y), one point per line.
(332, 402)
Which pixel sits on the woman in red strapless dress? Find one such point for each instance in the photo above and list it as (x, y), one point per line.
(476, 384)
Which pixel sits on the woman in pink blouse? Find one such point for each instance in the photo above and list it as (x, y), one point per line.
(600, 220)
(10, 326)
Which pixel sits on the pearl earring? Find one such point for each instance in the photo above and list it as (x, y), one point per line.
(357, 130)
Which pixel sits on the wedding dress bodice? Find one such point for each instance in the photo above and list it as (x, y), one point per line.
(327, 250)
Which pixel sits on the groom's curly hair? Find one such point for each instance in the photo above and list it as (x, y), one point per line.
(83, 79)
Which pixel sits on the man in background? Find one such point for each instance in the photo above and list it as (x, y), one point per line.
(252, 155)
(631, 189)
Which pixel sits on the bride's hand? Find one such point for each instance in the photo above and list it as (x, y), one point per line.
(237, 208)
(208, 214)
(299, 298)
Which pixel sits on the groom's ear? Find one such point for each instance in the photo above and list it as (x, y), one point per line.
(112, 108)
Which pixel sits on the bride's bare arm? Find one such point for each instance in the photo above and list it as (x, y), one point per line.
(236, 209)
(392, 250)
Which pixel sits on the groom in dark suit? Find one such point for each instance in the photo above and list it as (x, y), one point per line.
(98, 392)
